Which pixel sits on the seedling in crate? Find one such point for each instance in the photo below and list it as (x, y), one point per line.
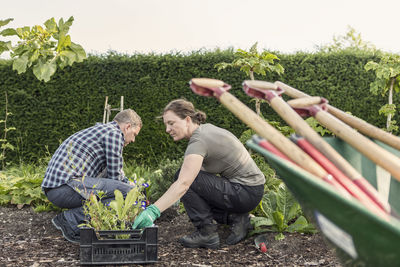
(117, 214)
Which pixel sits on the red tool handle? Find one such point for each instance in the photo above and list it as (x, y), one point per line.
(347, 183)
(270, 147)
(263, 247)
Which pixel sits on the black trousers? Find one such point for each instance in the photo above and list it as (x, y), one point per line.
(214, 197)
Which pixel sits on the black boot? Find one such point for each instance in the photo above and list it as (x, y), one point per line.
(205, 237)
(240, 224)
(61, 224)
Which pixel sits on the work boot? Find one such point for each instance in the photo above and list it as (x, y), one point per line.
(61, 224)
(240, 224)
(205, 237)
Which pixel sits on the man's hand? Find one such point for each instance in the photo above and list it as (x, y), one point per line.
(146, 217)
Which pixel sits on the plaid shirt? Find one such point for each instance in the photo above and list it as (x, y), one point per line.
(88, 153)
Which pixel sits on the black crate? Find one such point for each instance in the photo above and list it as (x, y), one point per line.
(140, 247)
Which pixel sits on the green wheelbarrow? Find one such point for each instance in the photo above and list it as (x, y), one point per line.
(360, 237)
(363, 234)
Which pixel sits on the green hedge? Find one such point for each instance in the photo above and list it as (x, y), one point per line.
(46, 113)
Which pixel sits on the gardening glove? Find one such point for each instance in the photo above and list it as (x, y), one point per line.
(146, 217)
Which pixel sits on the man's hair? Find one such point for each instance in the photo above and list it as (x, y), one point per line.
(128, 116)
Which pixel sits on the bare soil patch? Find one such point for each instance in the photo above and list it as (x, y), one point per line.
(29, 239)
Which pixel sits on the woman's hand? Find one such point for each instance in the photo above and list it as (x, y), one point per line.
(147, 217)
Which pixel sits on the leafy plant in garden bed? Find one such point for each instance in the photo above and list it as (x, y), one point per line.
(280, 212)
(20, 185)
(117, 214)
(163, 177)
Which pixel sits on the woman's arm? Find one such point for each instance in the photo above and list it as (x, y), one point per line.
(189, 171)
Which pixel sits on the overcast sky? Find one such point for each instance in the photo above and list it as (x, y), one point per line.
(164, 26)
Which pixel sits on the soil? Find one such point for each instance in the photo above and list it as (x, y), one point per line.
(29, 239)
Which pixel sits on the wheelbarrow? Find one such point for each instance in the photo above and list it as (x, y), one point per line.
(359, 236)
(362, 235)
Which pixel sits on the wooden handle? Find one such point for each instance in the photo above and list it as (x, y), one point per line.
(374, 152)
(207, 82)
(290, 91)
(302, 128)
(357, 123)
(366, 128)
(261, 85)
(291, 150)
(304, 102)
(262, 128)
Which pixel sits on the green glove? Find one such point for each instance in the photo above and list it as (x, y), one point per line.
(146, 217)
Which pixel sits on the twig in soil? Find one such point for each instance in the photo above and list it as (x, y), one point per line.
(269, 256)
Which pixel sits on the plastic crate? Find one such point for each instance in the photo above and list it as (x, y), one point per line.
(104, 248)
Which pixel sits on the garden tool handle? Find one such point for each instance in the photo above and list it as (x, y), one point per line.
(263, 247)
(357, 123)
(303, 129)
(359, 188)
(265, 130)
(371, 150)
(212, 87)
(305, 102)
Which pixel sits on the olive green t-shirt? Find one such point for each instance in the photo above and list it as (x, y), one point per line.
(224, 154)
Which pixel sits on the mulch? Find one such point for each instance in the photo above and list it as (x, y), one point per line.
(30, 239)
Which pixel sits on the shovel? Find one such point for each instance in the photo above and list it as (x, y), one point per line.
(219, 89)
(357, 123)
(271, 92)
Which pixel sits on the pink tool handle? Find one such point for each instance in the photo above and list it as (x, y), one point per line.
(270, 147)
(350, 186)
(263, 247)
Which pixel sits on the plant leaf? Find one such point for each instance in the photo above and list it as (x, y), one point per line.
(43, 71)
(20, 64)
(5, 22)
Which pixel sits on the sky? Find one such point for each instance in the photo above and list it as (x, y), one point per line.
(169, 26)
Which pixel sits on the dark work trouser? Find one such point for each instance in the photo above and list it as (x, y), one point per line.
(213, 197)
(73, 195)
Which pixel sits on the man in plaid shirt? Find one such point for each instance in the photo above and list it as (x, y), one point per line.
(87, 162)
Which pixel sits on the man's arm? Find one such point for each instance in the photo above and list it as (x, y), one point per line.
(189, 171)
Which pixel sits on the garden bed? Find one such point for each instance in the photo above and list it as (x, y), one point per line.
(30, 239)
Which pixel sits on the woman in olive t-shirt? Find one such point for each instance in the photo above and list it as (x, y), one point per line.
(218, 179)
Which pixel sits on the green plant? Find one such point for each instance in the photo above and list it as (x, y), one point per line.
(280, 212)
(387, 81)
(118, 214)
(316, 126)
(21, 185)
(351, 40)
(42, 112)
(43, 48)
(5, 144)
(163, 177)
(5, 45)
(252, 62)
